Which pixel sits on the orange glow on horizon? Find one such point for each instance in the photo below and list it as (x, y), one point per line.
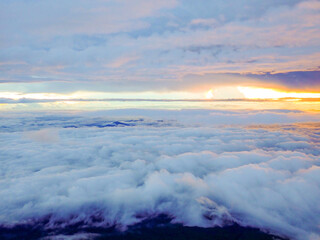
(268, 93)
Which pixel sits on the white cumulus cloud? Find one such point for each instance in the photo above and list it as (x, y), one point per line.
(264, 176)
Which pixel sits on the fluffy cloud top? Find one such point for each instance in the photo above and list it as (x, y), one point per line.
(265, 176)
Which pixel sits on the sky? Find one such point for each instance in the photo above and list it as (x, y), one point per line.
(207, 111)
(161, 49)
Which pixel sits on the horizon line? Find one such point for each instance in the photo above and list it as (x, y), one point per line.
(35, 100)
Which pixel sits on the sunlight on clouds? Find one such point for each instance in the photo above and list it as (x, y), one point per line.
(209, 94)
(87, 95)
(44, 96)
(228, 92)
(10, 95)
(265, 93)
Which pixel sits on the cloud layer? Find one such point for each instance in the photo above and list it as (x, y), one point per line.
(138, 46)
(264, 176)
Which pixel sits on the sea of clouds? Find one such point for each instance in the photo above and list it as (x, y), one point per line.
(201, 167)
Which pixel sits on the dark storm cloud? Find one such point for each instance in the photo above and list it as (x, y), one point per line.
(299, 80)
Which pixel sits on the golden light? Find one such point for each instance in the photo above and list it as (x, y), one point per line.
(46, 96)
(10, 95)
(267, 93)
(209, 94)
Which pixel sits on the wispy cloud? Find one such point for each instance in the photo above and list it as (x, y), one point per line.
(160, 44)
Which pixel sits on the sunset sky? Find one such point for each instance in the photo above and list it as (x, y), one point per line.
(166, 49)
(119, 117)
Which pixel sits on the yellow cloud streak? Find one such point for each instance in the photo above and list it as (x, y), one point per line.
(268, 93)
